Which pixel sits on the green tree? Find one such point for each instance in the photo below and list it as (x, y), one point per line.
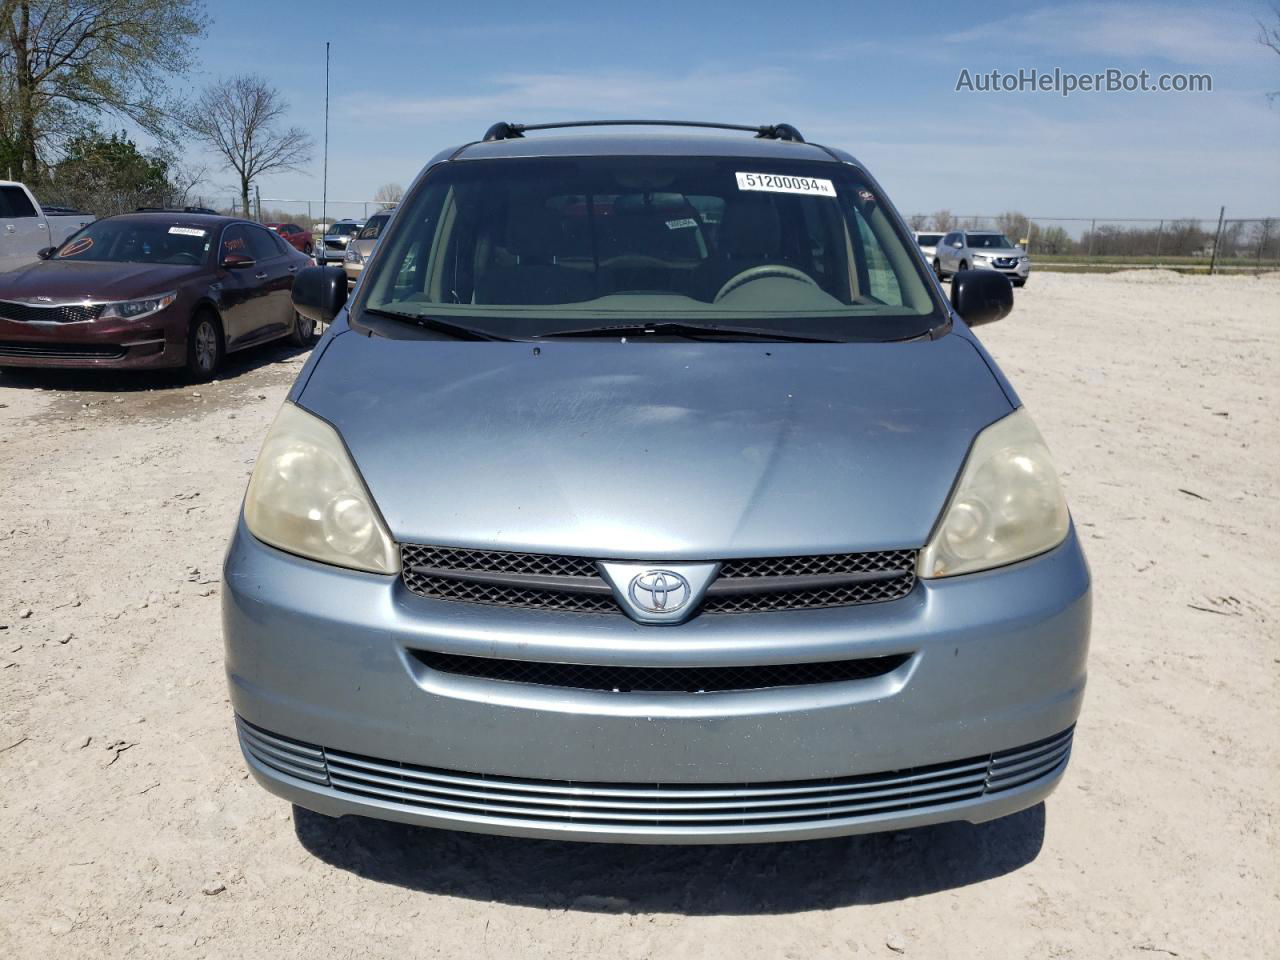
(109, 175)
(65, 62)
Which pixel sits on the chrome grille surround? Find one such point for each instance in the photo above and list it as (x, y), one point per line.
(570, 583)
(21, 312)
(673, 808)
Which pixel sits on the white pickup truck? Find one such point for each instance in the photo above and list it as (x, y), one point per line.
(25, 229)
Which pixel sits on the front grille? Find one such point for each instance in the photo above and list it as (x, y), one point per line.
(625, 679)
(61, 351)
(479, 798)
(568, 583)
(335, 245)
(33, 313)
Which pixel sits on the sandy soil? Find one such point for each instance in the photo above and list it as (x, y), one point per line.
(128, 826)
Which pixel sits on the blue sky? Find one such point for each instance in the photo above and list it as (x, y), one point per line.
(409, 78)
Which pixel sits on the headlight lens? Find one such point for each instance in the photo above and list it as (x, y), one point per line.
(137, 309)
(979, 258)
(1007, 506)
(306, 497)
(1024, 259)
(352, 255)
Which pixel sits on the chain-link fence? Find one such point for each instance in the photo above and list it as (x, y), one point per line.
(1214, 244)
(308, 214)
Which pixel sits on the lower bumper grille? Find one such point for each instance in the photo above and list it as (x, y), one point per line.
(621, 679)
(448, 794)
(61, 351)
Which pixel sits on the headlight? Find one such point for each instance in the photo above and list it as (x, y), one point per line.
(1024, 259)
(979, 258)
(306, 497)
(352, 255)
(137, 309)
(1007, 506)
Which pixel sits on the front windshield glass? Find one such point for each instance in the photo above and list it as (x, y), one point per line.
(344, 229)
(138, 241)
(990, 241)
(525, 247)
(373, 228)
(928, 239)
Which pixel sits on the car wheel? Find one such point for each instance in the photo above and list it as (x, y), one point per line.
(204, 346)
(1020, 283)
(307, 249)
(304, 330)
(937, 269)
(963, 265)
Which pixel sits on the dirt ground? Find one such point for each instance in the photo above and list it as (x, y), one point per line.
(128, 827)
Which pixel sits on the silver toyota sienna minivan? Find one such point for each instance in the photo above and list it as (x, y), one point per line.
(649, 489)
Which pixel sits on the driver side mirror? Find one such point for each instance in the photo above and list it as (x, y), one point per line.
(44, 253)
(981, 296)
(320, 293)
(236, 261)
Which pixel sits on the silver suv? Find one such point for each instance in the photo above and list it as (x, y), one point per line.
(334, 245)
(981, 250)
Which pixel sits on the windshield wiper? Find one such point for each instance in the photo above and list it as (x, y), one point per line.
(691, 330)
(458, 330)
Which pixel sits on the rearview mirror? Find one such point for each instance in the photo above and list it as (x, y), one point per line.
(236, 261)
(981, 296)
(320, 293)
(44, 253)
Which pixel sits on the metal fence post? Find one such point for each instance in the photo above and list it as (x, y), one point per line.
(1093, 229)
(1159, 235)
(1217, 241)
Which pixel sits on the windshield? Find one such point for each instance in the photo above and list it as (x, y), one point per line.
(373, 228)
(528, 247)
(928, 239)
(990, 241)
(344, 229)
(138, 241)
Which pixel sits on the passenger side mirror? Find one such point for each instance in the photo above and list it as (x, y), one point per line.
(44, 253)
(320, 293)
(957, 244)
(981, 296)
(236, 261)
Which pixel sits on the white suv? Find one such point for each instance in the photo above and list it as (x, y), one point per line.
(981, 250)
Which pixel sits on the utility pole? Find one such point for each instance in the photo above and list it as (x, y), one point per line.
(324, 184)
(1217, 241)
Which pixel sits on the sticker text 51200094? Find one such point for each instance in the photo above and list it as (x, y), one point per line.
(779, 183)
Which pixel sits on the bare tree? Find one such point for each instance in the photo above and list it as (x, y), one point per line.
(62, 62)
(241, 118)
(943, 221)
(1269, 37)
(917, 221)
(389, 194)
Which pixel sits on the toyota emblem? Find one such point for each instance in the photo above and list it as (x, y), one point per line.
(659, 591)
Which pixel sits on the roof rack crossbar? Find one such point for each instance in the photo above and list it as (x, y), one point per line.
(770, 131)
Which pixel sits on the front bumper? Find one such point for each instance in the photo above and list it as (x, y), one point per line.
(338, 716)
(1018, 272)
(158, 341)
(353, 270)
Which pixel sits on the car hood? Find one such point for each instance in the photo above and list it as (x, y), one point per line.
(999, 251)
(86, 280)
(672, 451)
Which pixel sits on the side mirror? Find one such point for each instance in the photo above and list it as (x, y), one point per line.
(44, 253)
(957, 244)
(236, 261)
(981, 296)
(320, 293)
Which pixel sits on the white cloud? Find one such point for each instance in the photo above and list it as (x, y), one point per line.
(1198, 36)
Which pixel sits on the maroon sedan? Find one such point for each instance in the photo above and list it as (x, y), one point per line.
(148, 290)
(295, 235)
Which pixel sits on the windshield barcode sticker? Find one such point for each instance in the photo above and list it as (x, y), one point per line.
(777, 183)
(186, 231)
(678, 224)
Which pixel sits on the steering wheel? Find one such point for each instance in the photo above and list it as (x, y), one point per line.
(759, 273)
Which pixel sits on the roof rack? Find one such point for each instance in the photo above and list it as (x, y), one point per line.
(176, 210)
(771, 131)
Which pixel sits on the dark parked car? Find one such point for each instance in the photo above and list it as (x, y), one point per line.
(148, 290)
(298, 237)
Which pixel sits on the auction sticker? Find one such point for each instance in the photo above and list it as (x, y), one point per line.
(76, 247)
(781, 183)
(187, 231)
(680, 224)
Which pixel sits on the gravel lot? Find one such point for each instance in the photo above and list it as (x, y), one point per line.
(128, 826)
